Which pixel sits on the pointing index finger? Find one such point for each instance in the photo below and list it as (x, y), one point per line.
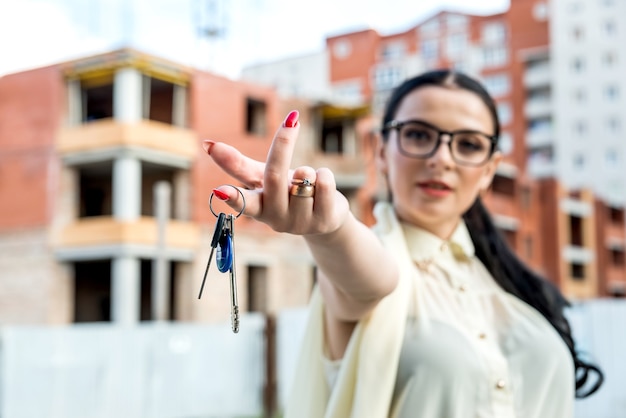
(279, 160)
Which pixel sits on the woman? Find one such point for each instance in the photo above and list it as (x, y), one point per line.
(429, 313)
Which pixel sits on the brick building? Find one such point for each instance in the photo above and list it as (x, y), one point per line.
(539, 200)
(82, 146)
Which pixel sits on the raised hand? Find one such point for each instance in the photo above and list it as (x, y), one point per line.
(270, 197)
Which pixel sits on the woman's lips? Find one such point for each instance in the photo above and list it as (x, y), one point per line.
(435, 188)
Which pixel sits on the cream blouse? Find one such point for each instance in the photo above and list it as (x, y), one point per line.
(460, 347)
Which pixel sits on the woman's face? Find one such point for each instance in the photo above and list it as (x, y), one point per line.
(433, 193)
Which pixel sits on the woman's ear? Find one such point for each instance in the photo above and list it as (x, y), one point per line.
(381, 154)
(490, 171)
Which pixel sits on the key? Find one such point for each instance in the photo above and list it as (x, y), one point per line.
(223, 240)
(226, 262)
(217, 234)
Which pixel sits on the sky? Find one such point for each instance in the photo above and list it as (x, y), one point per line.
(36, 33)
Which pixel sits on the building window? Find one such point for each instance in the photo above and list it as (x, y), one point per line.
(97, 101)
(494, 33)
(579, 161)
(576, 230)
(386, 78)
(609, 59)
(580, 95)
(577, 33)
(158, 103)
(611, 92)
(617, 257)
(347, 91)
(497, 84)
(456, 44)
(577, 271)
(393, 50)
(92, 291)
(613, 125)
(342, 49)
(430, 49)
(95, 193)
(610, 28)
(495, 56)
(332, 138)
(578, 65)
(616, 215)
(612, 158)
(256, 115)
(503, 185)
(580, 128)
(541, 155)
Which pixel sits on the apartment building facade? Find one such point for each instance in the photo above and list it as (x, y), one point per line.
(85, 148)
(519, 56)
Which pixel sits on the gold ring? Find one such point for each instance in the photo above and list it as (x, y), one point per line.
(302, 188)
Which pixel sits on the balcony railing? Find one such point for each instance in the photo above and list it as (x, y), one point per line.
(536, 108)
(108, 133)
(105, 230)
(537, 76)
(539, 138)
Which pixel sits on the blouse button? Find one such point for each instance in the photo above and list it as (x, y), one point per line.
(482, 335)
(462, 288)
(500, 384)
(444, 247)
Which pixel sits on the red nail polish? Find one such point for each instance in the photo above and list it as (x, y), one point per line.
(292, 119)
(220, 195)
(207, 144)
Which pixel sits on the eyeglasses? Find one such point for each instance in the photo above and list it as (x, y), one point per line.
(419, 139)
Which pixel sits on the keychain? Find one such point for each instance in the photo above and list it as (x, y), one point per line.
(224, 241)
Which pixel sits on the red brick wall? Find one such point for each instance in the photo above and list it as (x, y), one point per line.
(31, 106)
(218, 112)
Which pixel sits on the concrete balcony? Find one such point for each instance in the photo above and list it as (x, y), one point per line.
(537, 108)
(576, 207)
(539, 138)
(541, 169)
(104, 235)
(575, 254)
(537, 76)
(349, 171)
(96, 140)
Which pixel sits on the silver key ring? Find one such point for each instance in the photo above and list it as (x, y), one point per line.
(243, 199)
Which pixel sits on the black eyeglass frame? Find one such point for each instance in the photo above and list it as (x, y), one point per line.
(397, 125)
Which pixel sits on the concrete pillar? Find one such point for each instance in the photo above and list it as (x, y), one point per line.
(74, 103)
(127, 97)
(182, 195)
(160, 270)
(126, 188)
(125, 290)
(179, 106)
(349, 140)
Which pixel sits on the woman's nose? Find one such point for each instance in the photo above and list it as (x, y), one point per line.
(443, 154)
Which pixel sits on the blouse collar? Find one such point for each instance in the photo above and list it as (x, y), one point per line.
(424, 245)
